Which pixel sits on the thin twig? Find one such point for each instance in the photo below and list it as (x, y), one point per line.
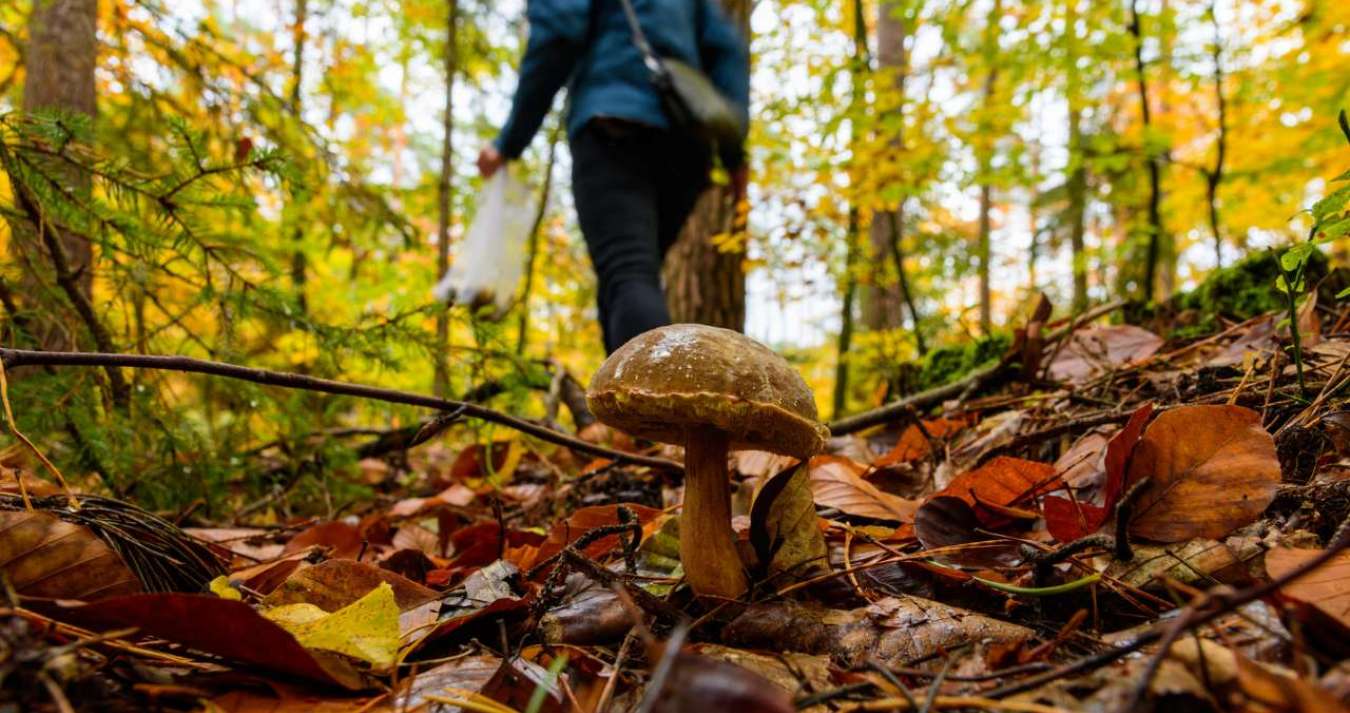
(288, 380)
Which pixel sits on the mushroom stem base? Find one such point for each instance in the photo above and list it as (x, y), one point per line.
(707, 543)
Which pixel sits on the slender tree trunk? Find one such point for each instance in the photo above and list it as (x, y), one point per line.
(881, 301)
(703, 283)
(881, 298)
(1076, 182)
(61, 56)
(1155, 223)
(1215, 176)
(1077, 190)
(299, 263)
(983, 248)
(444, 195)
(898, 256)
(861, 61)
(841, 379)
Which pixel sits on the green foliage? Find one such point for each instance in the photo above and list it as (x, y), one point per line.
(947, 364)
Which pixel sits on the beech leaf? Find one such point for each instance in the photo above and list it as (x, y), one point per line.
(42, 555)
(837, 482)
(1210, 468)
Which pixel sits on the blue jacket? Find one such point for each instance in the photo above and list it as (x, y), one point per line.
(592, 51)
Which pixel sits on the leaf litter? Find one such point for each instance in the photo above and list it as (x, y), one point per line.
(1124, 522)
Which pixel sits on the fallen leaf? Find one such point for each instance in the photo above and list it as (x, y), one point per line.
(1069, 519)
(1327, 587)
(784, 529)
(457, 495)
(341, 539)
(469, 673)
(42, 555)
(207, 623)
(586, 519)
(698, 684)
(914, 445)
(989, 490)
(367, 629)
(1211, 469)
(1096, 350)
(946, 520)
(837, 482)
(334, 584)
(797, 674)
(1283, 692)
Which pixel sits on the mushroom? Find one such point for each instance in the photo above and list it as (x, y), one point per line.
(709, 390)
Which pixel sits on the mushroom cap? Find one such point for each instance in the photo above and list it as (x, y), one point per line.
(669, 380)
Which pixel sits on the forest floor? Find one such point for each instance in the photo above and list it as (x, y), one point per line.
(1104, 520)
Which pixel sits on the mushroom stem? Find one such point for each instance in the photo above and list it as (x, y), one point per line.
(707, 543)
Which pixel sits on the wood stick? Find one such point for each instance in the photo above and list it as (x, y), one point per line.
(938, 394)
(27, 357)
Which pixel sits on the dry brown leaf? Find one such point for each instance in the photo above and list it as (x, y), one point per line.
(335, 584)
(1095, 350)
(837, 482)
(1211, 469)
(784, 528)
(1327, 587)
(42, 555)
(913, 444)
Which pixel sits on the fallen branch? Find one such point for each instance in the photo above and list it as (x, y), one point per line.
(26, 357)
(970, 384)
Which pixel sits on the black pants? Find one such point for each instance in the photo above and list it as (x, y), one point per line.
(634, 186)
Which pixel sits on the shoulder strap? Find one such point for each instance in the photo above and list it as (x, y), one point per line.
(640, 40)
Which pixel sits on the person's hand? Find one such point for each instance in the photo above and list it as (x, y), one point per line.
(489, 161)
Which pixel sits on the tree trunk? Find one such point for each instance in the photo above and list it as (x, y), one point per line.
(983, 248)
(881, 298)
(444, 196)
(299, 263)
(1214, 176)
(62, 53)
(1076, 182)
(1155, 225)
(1077, 190)
(703, 283)
(862, 60)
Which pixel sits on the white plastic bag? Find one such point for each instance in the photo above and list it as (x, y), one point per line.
(491, 258)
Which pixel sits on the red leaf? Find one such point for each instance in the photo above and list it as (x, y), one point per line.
(1069, 520)
(213, 625)
(344, 540)
(587, 519)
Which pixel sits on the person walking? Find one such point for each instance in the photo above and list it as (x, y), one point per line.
(637, 171)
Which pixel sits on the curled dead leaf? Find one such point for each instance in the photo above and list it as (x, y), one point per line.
(837, 482)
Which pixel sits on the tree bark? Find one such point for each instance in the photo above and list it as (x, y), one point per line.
(1155, 223)
(1214, 176)
(983, 248)
(299, 263)
(1077, 190)
(881, 296)
(444, 195)
(61, 56)
(703, 283)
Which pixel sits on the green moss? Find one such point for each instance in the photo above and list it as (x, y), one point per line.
(951, 363)
(1243, 290)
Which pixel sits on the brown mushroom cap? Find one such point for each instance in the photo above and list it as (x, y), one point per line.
(666, 381)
